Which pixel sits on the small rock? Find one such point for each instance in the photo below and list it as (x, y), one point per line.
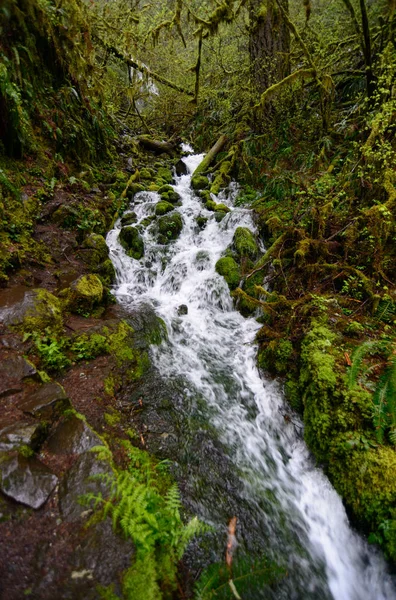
(181, 168)
(79, 481)
(73, 436)
(20, 434)
(13, 371)
(47, 403)
(26, 480)
(182, 309)
(129, 166)
(86, 292)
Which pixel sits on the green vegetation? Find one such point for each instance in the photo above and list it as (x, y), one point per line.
(145, 507)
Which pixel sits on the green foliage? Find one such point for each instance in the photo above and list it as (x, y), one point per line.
(51, 351)
(88, 347)
(229, 269)
(146, 508)
(248, 576)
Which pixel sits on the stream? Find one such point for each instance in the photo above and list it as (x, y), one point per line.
(298, 516)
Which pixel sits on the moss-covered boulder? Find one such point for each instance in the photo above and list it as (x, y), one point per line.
(134, 188)
(39, 310)
(228, 268)
(170, 226)
(165, 174)
(171, 196)
(146, 174)
(163, 207)
(201, 221)
(219, 215)
(95, 250)
(199, 182)
(165, 188)
(128, 219)
(131, 240)
(244, 242)
(106, 272)
(85, 294)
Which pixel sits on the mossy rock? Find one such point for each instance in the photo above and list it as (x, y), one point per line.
(65, 216)
(201, 221)
(223, 208)
(219, 215)
(165, 174)
(154, 187)
(171, 196)
(228, 268)
(147, 174)
(131, 240)
(170, 226)
(147, 221)
(165, 188)
(85, 294)
(39, 310)
(211, 205)
(199, 182)
(128, 219)
(245, 243)
(106, 272)
(135, 188)
(205, 195)
(95, 250)
(163, 207)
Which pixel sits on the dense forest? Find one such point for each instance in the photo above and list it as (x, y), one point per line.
(295, 101)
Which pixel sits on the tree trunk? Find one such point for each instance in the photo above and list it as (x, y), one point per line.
(269, 43)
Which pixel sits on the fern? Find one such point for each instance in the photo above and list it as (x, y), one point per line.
(357, 360)
(142, 512)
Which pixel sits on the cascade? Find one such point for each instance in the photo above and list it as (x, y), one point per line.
(212, 348)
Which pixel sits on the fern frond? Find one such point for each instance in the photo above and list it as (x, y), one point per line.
(357, 359)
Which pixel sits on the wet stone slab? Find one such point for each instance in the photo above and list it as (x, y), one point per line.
(13, 371)
(26, 480)
(46, 403)
(72, 436)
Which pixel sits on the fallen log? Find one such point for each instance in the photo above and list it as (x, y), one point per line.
(156, 146)
(210, 156)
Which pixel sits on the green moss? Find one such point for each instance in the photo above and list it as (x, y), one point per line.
(171, 196)
(147, 174)
(112, 418)
(87, 347)
(228, 268)
(122, 348)
(244, 243)
(165, 188)
(223, 208)
(85, 293)
(165, 174)
(135, 188)
(276, 356)
(170, 226)
(106, 272)
(132, 242)
(211, 205)
(45, 312)
(163, 207)
(199, 182)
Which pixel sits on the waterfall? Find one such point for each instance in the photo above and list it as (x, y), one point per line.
(212, 348)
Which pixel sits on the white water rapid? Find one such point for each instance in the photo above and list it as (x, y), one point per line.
(212, 349)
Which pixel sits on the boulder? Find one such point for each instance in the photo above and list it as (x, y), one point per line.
(26, 480)
(22, 433)
(182, 309)
(38, 310)
(245, 243)
(228, 268)
(170, 226)
(85, 293)
(171, 196)
(13, 371)
(199, 182)
(48, 402)
(165, 174)
(131, 240)
(163, 207)
(72, 436)
(128, 218)
(219, 215)
(181, 168)
(80, 480)
(95, 250)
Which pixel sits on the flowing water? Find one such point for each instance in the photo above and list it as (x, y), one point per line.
(212, 349)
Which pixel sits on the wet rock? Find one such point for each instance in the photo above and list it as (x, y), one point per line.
(182, 309)
(26, 480)
(129, 166)
(38, 310)
(219, 215)
(165, 174)
(228, 268)
(80, 480)
(199, 182)
(47, 403)
(128, 219)
(20, 434)
(13, 371)
(171, 196)
(131, 240)
(95, 249)
(170, 226)
(245, 243)
(106, 272)
(85, 293)
(72, 436)
(181, 168)
(201, 221)
(163, 207)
